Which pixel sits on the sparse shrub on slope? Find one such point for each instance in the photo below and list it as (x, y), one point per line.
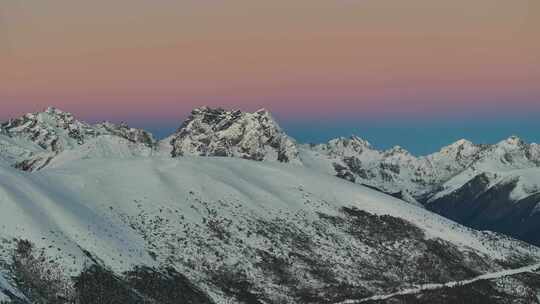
(38, 277)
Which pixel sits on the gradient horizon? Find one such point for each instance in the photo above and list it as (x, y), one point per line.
(418, 73)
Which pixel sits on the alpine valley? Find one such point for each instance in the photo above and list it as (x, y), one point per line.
(230, 209)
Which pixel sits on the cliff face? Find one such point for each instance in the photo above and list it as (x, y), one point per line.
(216, 132)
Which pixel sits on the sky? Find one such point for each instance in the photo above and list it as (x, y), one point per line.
(416, 73)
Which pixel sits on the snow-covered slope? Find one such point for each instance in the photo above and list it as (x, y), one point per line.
(33, 141)
(103, 147)
(500, 191)
(507, 157)
(242, 230)
(53, 129)
(217, 132)
(14, 150)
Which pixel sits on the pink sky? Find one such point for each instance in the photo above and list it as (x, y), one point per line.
(157, 60)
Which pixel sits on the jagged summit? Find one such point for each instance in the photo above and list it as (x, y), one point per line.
(344, 146)
(352, 140)
(125, 131)
(396, 171)
(54, 130)
(460, 151)
(458, 145)
(257, 136)
(38, 138)
(397, 150)
(218, 132)
(512, 142)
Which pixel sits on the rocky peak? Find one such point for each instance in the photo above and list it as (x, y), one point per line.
(511, 151)
(396, 150)
(54, 131)
(513, 142)
(219, 132)
(461, 150)
(123, 130)
(459, 145)
(51, 129)
(398, 156)
(354, 141)
(341, 146)
(358, 142)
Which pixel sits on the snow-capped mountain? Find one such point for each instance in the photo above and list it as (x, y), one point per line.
(397, 171)
(225, 230)
(53, 129)
(54, 137)
(124, 131)
(34, 140)
(217, 132)
(500, 191)
(499, 159)
(267, 222)
(394, 171)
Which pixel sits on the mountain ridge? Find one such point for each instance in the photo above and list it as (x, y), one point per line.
(4, 129)
(109, 213)
(53, 137)
(257, 136)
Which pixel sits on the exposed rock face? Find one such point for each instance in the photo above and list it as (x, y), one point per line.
(217, 132)
(53, 129)
(124, 131)
(32, 141)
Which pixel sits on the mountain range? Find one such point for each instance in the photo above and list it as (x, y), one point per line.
(230, 209)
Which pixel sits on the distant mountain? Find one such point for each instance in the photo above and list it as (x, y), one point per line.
(499, 192)
(396, 170)
(493, 187)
